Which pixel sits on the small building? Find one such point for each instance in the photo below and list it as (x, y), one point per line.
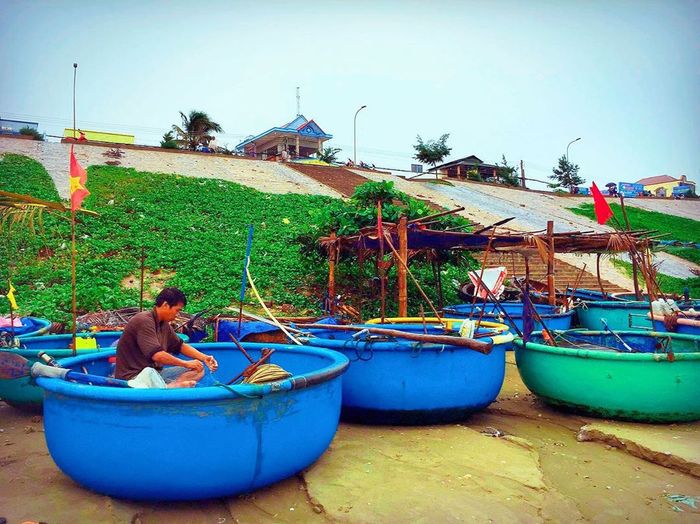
(469, 164)
(12, 127)
(298, 138)
(663, 185)
(99, 136)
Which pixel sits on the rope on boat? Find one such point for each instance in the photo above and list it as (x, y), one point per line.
(272, 317)
(267, 373)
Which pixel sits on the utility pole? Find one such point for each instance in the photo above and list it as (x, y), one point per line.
(522, 175)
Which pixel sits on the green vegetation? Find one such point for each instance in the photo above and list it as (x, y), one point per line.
(507, 174)
(194, 233)
(678, 228)
(669, 285)
(329, 154)
(168, 141)
(432, 151)
(565, 174)
(30, 131)
(195, 129)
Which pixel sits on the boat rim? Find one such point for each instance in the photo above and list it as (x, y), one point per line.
(610, 355)
(337, 367)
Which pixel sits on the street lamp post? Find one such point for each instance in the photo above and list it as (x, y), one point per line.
(567, 147)
(354, 136)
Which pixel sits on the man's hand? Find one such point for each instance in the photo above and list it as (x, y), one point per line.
(211, 363)
(194, 365)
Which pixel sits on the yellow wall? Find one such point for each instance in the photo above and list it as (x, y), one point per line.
(101, 136)
(668, 186)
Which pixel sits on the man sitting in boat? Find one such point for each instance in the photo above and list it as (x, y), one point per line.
(150, 341)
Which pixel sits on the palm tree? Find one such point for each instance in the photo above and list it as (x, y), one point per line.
(195, 127)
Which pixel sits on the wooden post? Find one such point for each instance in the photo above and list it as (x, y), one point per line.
(522, 175)
(143, 270)
(332, 250)
(597, 269)
(637, 293)
(550, 263)
(401, 268)
(380, 260)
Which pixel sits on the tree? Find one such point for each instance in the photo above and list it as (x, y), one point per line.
(30, 131)
(168, 141)
(328, 154)
(195, 128)
(566, 174)
(508, 174)
(432, 151)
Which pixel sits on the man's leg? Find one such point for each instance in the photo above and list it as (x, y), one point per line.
(181, 377)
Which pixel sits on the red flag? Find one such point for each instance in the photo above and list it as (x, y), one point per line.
(78, 179)
(602, 209)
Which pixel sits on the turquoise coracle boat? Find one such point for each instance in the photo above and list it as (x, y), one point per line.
(592, 372)
(30, 327)
(618, 314)
(22, 393)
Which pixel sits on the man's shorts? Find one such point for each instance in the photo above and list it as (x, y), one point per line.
(172, 373)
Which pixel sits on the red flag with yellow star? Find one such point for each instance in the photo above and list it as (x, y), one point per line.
(78, 179)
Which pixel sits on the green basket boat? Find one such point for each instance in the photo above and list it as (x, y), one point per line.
(656, 383)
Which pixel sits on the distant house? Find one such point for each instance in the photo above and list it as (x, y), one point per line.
(12, 127)
(298, 138)
(663, 185)
(460, 168)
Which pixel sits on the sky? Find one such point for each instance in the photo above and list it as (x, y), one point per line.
(514, 78)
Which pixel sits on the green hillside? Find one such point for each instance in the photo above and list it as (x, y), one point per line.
(194, 233)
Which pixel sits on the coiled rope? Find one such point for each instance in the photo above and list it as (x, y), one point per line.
(267, 373)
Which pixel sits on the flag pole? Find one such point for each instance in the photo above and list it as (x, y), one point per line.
(72, 227)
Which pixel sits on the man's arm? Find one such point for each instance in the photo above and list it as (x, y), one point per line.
(166, 359)
(191, 352)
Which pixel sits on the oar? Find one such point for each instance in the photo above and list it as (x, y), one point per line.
(14, 366)
(624, 344)
(481, 347)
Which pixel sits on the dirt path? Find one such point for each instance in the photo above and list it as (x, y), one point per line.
(537, 471)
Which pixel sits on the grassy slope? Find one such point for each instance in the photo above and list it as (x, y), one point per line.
(194, 228)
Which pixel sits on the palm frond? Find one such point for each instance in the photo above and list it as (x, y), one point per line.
(26, 211)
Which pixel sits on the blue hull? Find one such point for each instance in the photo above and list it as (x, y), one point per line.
(680, 328)
(404, 382)
(187, 444)
(31, 327)
(492, 313)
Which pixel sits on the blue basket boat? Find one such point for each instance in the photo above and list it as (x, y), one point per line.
(619, 315)
(397, 381)
(550, 314)
(232, 439)
(688, 324)
(31, 327)
(22, 393)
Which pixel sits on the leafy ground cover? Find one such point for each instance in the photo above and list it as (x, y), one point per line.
(193, 232)
(679, 228)
(668, 284)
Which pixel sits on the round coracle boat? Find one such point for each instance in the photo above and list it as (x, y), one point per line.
(23, 393)
(618, 314)
(552, 316)
(686, 323)
(23, 327)
(595, 373)
(195, 443)
(397, 381)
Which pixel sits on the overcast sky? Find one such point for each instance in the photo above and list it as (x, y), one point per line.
(520, 78)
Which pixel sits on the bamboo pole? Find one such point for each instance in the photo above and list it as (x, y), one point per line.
(380, 260)
(597, 269)
(637, 293)
(436, 215)
(550, 264)
(331, 273)
(470, 343)
(73, 279)
(401, 268)
(143, 271)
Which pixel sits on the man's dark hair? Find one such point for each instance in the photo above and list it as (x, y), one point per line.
(173, 296)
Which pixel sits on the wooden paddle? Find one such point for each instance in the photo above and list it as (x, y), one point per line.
(14, 366)
(475, 345)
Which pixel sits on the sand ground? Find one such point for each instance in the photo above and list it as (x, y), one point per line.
(542, 467)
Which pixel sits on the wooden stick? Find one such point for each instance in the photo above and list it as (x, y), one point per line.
(481, 347)
(266, 354)
(72, 278)
(420, 289)
(401, 269)
(241, 348)
(637, 293)
(143, 270)
(550, 264)
(441, 214)
(332, 251)
(380, 260)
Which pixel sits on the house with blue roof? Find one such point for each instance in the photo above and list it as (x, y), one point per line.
(299, 138)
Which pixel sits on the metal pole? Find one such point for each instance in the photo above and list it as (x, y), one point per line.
(75, 74)
(354, 136)
(567, 147)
